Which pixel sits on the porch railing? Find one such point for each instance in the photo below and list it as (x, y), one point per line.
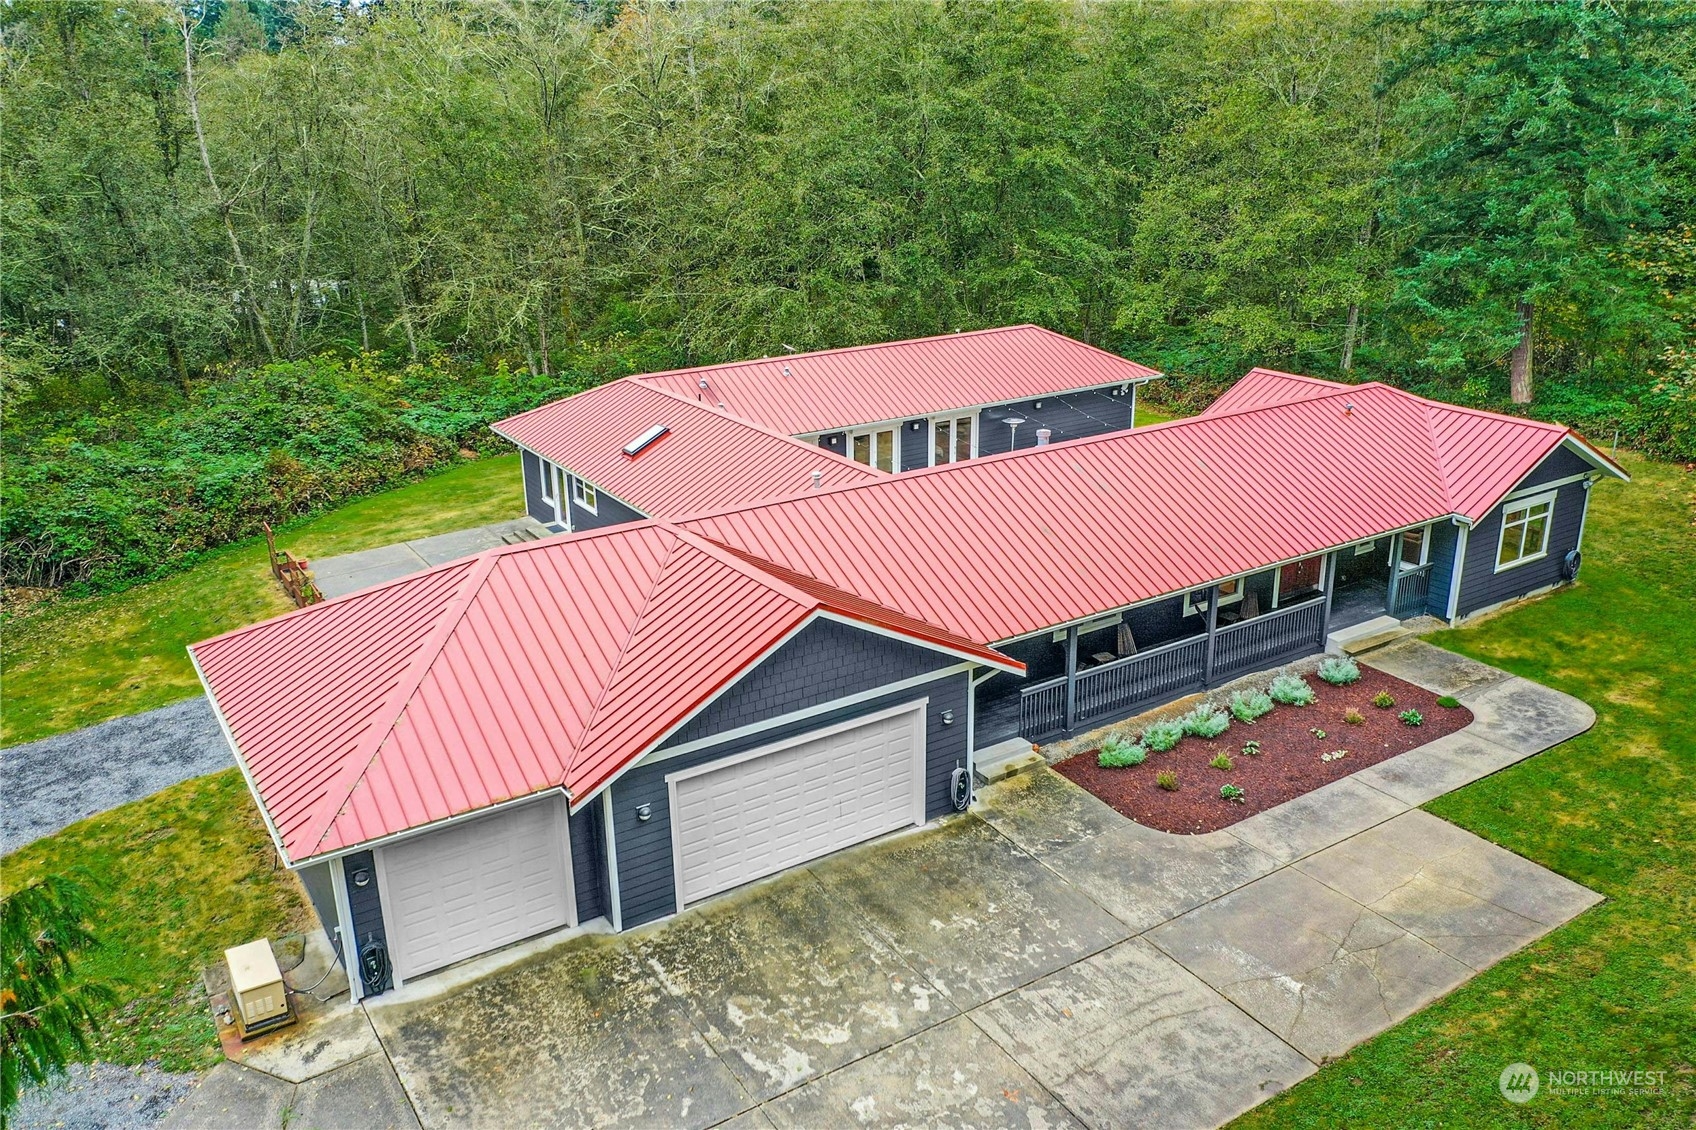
(1413, 589)
(1042, 708)
(1268, 639)
(1160, 672)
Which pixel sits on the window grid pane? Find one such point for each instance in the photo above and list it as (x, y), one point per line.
(941, 442)
(963, 438)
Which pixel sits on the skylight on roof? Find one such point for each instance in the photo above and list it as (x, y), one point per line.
(636, 446)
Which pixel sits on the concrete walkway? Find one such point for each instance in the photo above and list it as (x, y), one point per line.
(1041, 961)
(350, 572)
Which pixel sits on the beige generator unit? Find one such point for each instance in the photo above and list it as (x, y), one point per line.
(258, 997)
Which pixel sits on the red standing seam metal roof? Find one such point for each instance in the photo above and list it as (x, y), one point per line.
(1262, 388)
(1012, 544)
(901, 380)
(550, 664)
(707, 460)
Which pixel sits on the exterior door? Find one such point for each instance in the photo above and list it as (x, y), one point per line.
(875, 448)
(476, 886)
(769, 810)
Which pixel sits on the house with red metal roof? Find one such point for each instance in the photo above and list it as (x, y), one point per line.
(613, 724)
(662, 445)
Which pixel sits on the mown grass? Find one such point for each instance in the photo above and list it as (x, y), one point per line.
(1614, 809)
(71, 663)
(175, 879)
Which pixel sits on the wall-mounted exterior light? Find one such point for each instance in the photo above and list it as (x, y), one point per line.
(362, 877)
(947, 717)
(644, 812)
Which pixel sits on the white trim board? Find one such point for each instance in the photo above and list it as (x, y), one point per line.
(1129, 385)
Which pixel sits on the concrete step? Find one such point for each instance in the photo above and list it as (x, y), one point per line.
(1003, 759)
(1365, 636)
(527, 530)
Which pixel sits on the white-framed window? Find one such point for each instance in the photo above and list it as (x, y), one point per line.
(953, 439)
(550, 492)
(1525, 530)
(1365, 547)
(1415, 547)
(874, 448)
(1230, 592)
(583, 494)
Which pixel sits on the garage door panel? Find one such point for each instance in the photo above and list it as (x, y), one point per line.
(775, 810)
(474, 887)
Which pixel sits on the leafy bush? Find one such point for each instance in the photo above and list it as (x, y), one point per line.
(1231, 793)
(1251, 749)
(1205, 721)
(1353, 717)
(1162, 736)
(1383, 700)
(1339, 670)
(1291, 690)
(100, 500)
(1411, 718)
(1334, 755)
(1316, 732)
(1117, 753)
(1448, 702)
(1246, 706)
(1167, 780)
(1222, 760)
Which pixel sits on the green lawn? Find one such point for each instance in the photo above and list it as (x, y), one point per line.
(1614, 809)
(176, 878)
(72, 663)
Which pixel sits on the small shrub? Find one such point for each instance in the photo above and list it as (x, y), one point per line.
(1167, 780)
(1383, 700)
(1223, 761)
(1353, 717)
(1316, 732)
(1117, 753)
(1246, 706)
(1162, 736)
(1251, 749)
(1291, 690)
(1449, 702)
(1412, 718)
(1231, 793)
(1339, 670)
(1334, 755)
(1206, 721)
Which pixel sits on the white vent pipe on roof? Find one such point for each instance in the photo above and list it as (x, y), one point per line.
(1042, 436)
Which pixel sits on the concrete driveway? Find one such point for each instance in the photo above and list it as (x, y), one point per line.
(1039, 962)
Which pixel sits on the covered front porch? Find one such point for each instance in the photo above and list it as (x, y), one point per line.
(1124, 662)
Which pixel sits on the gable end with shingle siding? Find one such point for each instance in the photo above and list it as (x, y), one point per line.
(1481, 586)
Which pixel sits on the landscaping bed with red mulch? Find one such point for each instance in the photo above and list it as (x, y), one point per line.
(1291, 760)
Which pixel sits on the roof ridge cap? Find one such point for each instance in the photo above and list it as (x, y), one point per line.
(1428, 412)
(400, 695)
(646, 377)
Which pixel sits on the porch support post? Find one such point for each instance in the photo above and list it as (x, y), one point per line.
(1329, 577)
(1071, 677)
(1212, 631)
(1395, 574)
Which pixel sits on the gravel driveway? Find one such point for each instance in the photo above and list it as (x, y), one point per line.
(60, 780)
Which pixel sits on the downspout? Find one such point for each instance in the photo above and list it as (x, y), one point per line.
(346, 942)
(1456, 573)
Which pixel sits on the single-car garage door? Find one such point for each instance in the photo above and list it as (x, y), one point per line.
(475, 886)
(756, 814)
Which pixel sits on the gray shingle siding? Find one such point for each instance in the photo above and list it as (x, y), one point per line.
(826, 660)
(1561, 463)
(1445, 537)
(1480, 585)
(608, 511)
(1070, 416)
(588, 862)
(366, 906)
(915, 445)
(834, 442)
(534, 504)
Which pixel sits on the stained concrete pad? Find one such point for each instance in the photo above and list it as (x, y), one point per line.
(1043, 812)
(949, 1075)
(1437, 670)
(1469, 898)
(1129, 1037)
(787, 983)
(1316, 967)
(232, 1095)
(1144, 877)
(582, 1036)
(321, 1042)
(1526, 717)
(363, 1095)
(969, 909)
(1325, 816)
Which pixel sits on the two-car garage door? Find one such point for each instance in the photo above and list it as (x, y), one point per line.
(476, 886)
(737, 820)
